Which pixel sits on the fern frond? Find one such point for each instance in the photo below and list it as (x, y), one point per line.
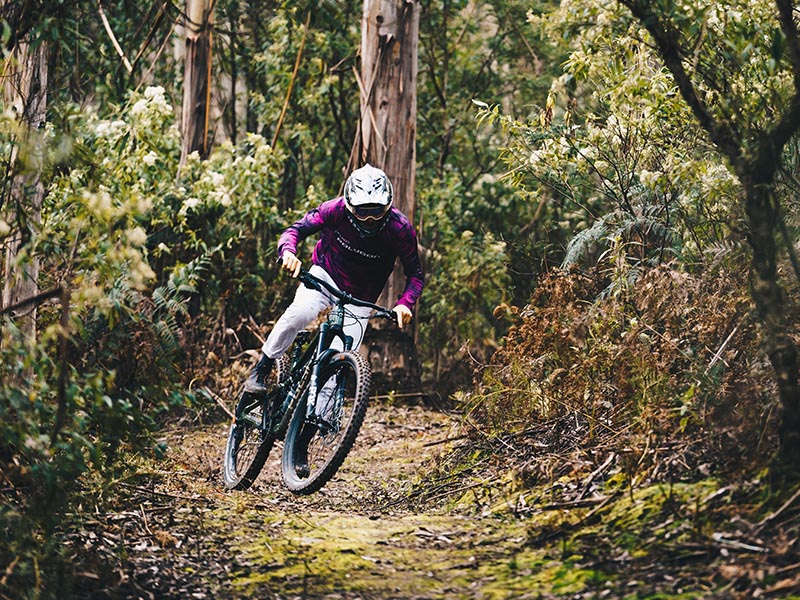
(171, 300)
(584, 242)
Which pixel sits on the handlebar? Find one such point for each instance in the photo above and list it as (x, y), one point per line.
(315, 283)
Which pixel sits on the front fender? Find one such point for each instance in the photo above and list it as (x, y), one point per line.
(327, 357)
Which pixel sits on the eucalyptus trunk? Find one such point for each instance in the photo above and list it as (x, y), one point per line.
(26, 91)
(197, 79)
(387, 140)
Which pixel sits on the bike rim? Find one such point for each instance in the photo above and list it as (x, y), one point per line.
(247, 447)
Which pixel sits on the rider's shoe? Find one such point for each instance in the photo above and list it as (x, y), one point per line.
(246, 403)
(256, 383)
(301, 450)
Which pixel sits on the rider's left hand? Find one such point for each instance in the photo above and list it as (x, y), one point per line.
(403, 314)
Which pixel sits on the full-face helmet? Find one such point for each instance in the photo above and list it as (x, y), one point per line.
(368, 195)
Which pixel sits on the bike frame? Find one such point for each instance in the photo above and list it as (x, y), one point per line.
(314, 354)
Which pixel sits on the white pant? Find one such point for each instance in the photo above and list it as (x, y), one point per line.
(305, 307)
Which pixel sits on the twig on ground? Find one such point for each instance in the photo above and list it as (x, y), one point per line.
(219, 400)
(144, 520)
(588, 481)
(443, 441)
(771, 517)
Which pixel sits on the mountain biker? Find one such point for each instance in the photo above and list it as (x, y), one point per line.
(360, 237)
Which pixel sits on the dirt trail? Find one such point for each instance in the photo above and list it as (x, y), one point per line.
(356, 538)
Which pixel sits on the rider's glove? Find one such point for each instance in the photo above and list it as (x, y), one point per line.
(403, 314)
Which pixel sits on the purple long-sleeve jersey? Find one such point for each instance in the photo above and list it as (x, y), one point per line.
(360, 265)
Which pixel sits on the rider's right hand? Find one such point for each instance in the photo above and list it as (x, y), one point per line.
(291, 263)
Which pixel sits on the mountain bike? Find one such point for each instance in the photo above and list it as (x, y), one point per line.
(317, 401)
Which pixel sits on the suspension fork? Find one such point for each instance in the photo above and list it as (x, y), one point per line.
(327, 333)
(323, 343)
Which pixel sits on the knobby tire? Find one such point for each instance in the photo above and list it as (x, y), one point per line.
(248, 446)
(332, 438)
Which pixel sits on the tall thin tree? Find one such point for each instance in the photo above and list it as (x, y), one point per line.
(387, 139)
(25, 89)
(197, 78)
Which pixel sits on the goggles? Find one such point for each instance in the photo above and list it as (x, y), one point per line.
(370, 211)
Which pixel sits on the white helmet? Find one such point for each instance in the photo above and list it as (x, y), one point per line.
(368, 194)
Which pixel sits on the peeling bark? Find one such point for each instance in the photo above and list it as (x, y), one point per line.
(25, 72)
(197, 80)
(389, 41)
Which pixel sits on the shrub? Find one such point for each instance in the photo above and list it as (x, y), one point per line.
(674, 364)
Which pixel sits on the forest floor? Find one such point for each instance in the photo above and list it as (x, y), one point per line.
(387, 527)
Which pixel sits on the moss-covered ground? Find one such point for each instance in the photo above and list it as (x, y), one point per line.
(390, 525)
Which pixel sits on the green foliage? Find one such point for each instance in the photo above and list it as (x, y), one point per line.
(636, 227)
(120, 216)
(468, 271)
(41, 467)
(613, 143)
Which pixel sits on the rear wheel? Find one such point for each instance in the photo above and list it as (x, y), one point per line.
(316, 447)
(249, 441)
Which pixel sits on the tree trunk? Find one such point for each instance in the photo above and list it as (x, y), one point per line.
(768, 298)
(197, 79)
(25, 72)
(756, 175)
(389, 40)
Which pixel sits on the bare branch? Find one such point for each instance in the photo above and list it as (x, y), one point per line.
(117, 47)
(33, 300)
(667, 40)
(292, 80)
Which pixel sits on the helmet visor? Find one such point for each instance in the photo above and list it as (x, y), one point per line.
(367, 212)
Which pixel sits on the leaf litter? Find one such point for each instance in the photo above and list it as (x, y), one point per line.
(559, 476)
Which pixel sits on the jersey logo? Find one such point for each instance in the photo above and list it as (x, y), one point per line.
(349, 247)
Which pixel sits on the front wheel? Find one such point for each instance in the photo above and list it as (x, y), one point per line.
(316, 445)
(249, 440)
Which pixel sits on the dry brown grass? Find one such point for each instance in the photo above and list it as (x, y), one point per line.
(669, 375)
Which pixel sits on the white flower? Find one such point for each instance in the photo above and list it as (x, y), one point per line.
(140, 273)
(153, 91)
(189, 204)
(588, 153)
(100, 204)
(136, 236)
(150, 158)
(111, 130)
(217, 179)
(648, 178)
(142, 204)
(139, 107)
